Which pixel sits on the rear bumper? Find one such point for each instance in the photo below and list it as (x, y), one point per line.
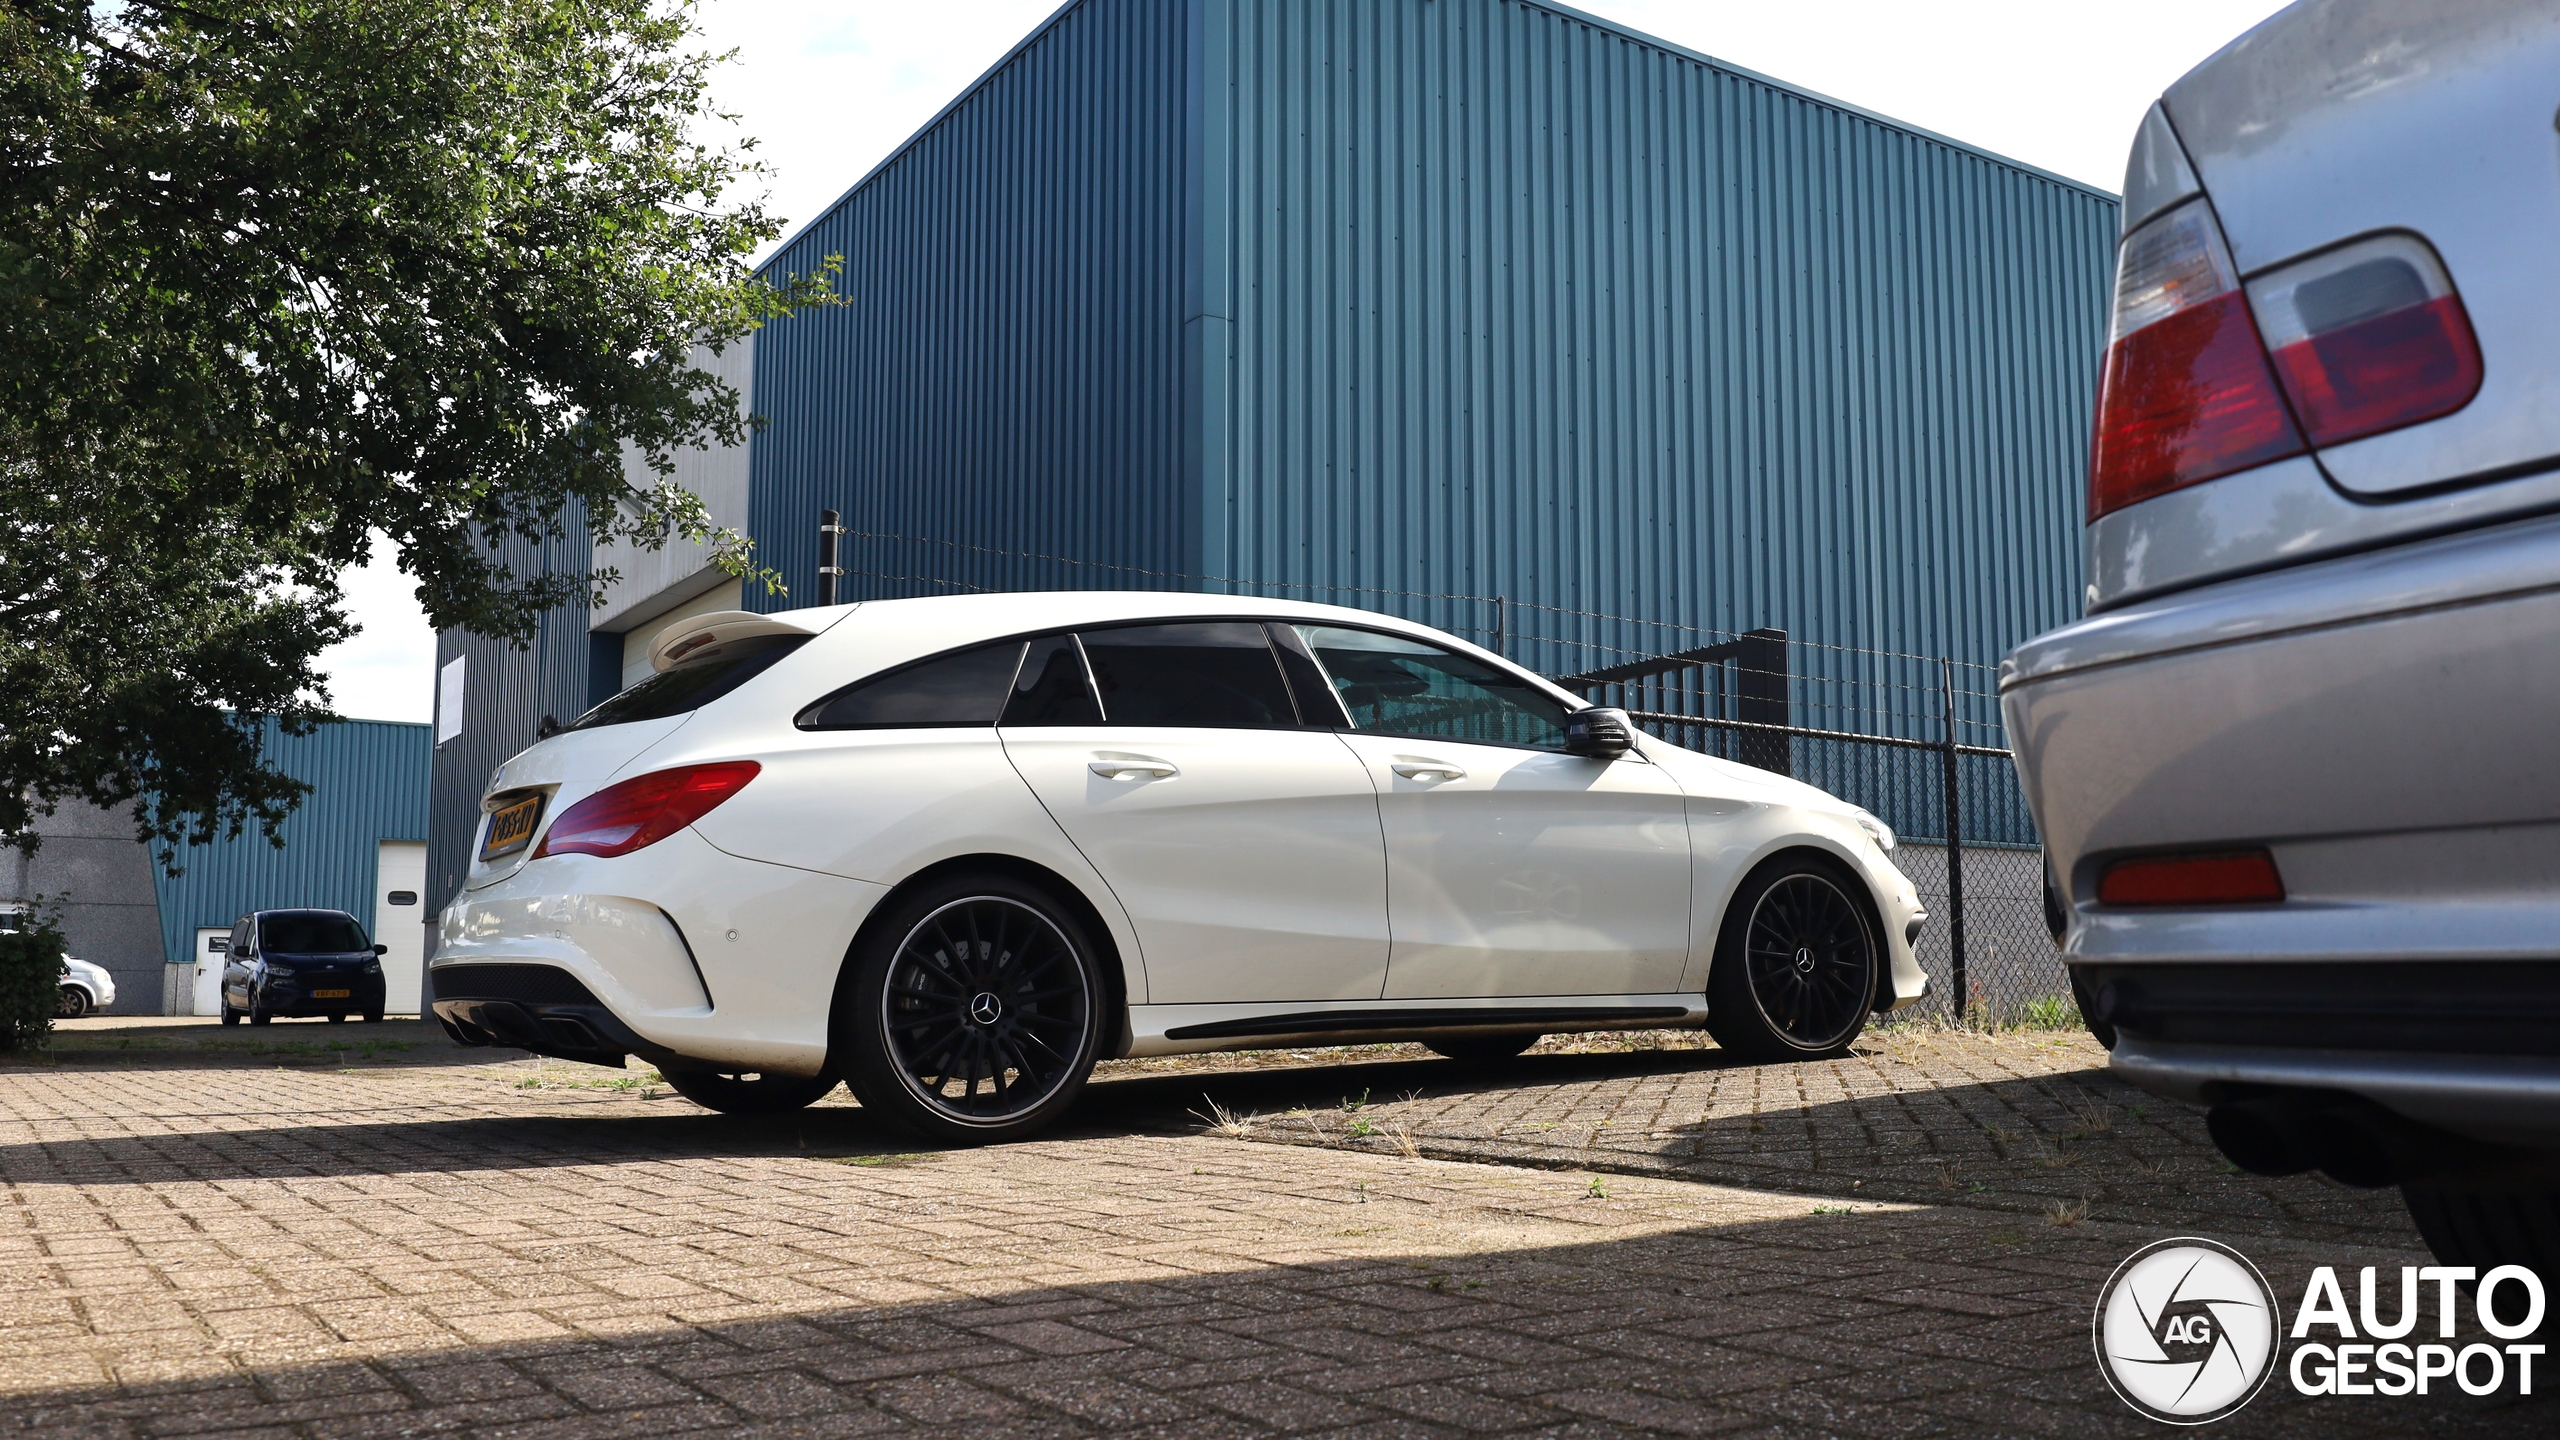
(2504, 1099)
(679, 953)
(2381, 725)
(539, 1008)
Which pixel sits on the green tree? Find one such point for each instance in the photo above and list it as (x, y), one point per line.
(280, 276)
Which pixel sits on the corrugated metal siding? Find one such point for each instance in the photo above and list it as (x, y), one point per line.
(1524, 305)
(505, 694)
(1006, 368)
(368, 783)
(1461, 297)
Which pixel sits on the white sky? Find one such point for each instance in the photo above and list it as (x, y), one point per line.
(829, 87)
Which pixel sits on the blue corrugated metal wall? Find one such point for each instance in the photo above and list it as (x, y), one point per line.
(368, 783)
(1467, 298)
(1526, 305)
(1005, 368)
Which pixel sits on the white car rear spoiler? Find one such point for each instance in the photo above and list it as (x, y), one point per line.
(708, 637)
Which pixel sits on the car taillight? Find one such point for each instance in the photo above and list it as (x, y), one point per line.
(2368, 337)
(645, 809)
(2187, 394)
(2227, 877)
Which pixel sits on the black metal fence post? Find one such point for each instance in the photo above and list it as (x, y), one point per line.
(1955, 841)
(1502, 626)
(830, 525)
(1761, 697)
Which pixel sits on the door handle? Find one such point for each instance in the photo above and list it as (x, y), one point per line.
(1417, 767)
(1132, 767)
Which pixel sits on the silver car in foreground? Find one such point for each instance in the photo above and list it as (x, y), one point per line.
(2297, 772)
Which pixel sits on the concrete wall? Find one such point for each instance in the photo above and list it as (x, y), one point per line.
(99, 877)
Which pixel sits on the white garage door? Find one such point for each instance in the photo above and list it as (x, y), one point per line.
(399, 921)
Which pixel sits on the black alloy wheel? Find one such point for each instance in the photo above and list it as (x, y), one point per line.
(1797, 965)
(977, 1014)
(750, 1092)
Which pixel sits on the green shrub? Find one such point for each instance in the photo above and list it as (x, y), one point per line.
(30, 984)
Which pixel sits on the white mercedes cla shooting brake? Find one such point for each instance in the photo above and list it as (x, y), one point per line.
(952, 851)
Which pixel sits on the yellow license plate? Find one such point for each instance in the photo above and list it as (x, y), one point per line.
(511, 829)
(331, 994)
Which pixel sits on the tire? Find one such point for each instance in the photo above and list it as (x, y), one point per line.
(984, 983)
(749, 1093)
(74, 1004)
(337, 1019)
(373, 1017)
(229, 1015)
(2487, 1222)
(1481, 1049)
(1797, 963)
(258, 1016)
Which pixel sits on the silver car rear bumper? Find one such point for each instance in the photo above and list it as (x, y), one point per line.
(2383, 724)
(2506, 1099)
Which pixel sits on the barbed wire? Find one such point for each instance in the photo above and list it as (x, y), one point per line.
(1456, 595)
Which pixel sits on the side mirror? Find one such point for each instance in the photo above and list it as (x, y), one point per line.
(381, 949)
(1598, 733)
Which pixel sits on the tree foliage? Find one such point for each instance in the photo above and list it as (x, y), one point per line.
(281, 276)
(31, 974)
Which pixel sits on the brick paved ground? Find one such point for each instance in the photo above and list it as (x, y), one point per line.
(250, 1237)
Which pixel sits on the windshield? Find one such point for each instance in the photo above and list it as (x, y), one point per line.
(690, 687)
(310, 932)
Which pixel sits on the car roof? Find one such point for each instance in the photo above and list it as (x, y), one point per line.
(873, 636)
(300, 910)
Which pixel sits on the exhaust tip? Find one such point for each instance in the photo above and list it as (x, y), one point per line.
(2258, 1135)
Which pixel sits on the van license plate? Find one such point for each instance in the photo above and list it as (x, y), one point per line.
(511, 829)
(331, 994)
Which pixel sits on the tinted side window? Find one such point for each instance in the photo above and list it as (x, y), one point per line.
(1051, 688)
(1198, 673)
(1405, 687)
(965, 688)
(690, 687)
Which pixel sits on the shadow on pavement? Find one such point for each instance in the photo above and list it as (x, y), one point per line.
(2056, 1147)
(212, 1046)
(1886, 1323)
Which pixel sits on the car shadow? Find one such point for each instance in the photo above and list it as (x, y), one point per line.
(2055, 1148)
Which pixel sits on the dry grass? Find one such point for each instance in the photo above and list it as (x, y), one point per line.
(1234, 1125)
(2066, 1214)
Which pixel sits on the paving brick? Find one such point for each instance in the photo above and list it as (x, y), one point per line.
(428, 1248)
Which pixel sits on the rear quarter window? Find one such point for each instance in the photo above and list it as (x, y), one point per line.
(689, 687)
(966, 687)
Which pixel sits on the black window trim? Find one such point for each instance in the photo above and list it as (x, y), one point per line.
(800, 718)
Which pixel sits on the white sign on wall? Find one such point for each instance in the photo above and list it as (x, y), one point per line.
(449, 700)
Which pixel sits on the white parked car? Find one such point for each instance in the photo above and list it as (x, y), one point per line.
(86, 988)
(953, 850)
(2294, 772)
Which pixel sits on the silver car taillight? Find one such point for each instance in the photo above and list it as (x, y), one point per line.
(2368, 337)
(2187, 394)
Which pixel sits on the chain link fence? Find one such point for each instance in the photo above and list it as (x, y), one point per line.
(1989, 957)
